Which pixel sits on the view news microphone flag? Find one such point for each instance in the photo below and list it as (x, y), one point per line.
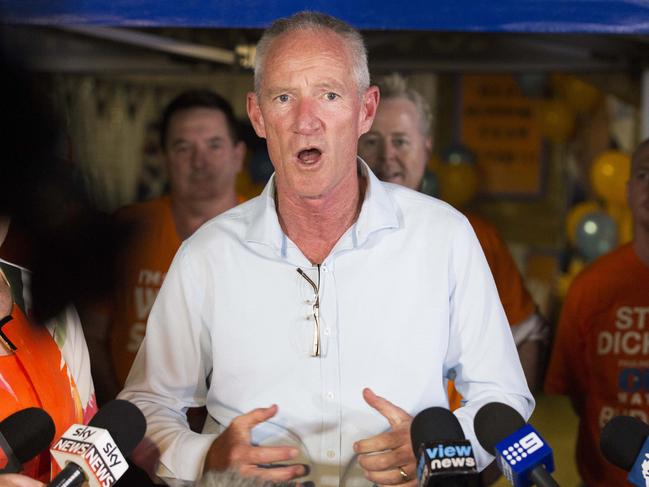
(624, 442)
(23, 435)
(521, 454)
(95, 453)
(444, 456)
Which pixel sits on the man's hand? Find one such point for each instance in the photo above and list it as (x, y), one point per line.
(387, 458)
(233, 450)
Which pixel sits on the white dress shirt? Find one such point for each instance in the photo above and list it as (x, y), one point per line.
(406, 300)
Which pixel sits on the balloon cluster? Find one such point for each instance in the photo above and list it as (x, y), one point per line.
(457, 175)
(557, 114)
(597, 227)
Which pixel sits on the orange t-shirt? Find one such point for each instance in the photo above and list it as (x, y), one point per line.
(601, 354)
(516, 300)
(140, 276)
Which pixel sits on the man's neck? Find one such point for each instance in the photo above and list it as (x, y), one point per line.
(190, 215)
(641, 244)
(316, 224)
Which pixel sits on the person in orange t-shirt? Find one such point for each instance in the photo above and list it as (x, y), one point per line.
(203, 152)
(397, 149)
(600, 355)
(47, 367)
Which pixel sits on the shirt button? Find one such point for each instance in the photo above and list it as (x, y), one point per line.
(331, 454)
(327, 331)
(323, 267)
(330, 395)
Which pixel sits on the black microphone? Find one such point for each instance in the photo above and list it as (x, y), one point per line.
(521, 454)
(95, 453)
(624, 442)
(23, 435)
(444, 456)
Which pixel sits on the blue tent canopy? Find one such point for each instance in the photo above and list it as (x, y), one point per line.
(532, 16)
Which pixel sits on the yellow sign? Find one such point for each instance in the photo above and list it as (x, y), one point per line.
(500, 127)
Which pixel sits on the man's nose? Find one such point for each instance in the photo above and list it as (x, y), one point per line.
(199, 157)
(307, 120)
(387, 151)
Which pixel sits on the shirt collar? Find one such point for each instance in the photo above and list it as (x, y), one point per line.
(377, 213)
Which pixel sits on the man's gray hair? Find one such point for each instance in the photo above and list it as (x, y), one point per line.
(395, 86)
(308, 20)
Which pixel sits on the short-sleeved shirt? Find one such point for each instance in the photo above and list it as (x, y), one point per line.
(601, 354)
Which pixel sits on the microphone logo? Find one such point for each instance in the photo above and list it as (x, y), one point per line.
(645, 469)
(527, 445)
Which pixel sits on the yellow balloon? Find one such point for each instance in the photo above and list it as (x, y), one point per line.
(458, 183)
(579, 95)
(557, 120)
(609, 175)
(624, 219)
(574, 216)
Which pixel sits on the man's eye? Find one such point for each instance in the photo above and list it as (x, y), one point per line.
(400, 142)
(282, 98)
(331, 96)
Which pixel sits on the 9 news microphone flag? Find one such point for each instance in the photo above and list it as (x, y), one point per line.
(521, 454)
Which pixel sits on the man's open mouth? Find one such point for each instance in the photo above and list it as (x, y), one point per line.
(310, 155)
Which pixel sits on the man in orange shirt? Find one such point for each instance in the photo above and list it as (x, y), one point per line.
(204, 153)
(397, 149)
(600, 352)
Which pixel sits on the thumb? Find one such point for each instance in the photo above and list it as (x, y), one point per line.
(393, 413)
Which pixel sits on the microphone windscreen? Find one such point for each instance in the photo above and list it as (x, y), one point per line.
(621, 440)
(229, 478)
(494, 422)
(124, 421)
(432, 424)
(28, 432)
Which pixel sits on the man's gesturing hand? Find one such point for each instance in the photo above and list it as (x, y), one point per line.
(387, 458)
(233, 450)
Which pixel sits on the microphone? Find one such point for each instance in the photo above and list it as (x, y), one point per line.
(521, 454)
(444, 456)
(231, 478)
(624, 442)
(95, 453)
(23, 435)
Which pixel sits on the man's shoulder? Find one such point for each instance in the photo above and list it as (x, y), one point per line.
(419, 205)
(145, 210)
(231, 224)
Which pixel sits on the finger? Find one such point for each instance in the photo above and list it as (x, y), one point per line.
(380, 442)
(275, 474)
(268, 454)
(252, 418)
(393, 413)
(392, 477)
(388, 460)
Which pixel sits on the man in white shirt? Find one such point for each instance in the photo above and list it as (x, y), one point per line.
(320, 317)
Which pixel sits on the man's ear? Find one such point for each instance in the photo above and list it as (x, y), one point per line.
(369, 104)
(255, 115)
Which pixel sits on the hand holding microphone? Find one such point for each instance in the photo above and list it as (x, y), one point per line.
(624, 442)
(95, 453)
(522, 455)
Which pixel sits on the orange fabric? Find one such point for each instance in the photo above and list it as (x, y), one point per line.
(36, 375)
(600, 355)
(516, 300)
(142, 271)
